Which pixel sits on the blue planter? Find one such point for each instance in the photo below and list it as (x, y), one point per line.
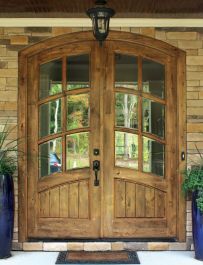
(6, 215)
(197, 227)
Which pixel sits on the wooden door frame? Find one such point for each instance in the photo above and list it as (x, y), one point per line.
(179, 83)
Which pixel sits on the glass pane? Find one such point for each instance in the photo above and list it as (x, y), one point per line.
(77, 111)
(77, 150)
(153, 78)
(50, 118)
(126, 150)
(126, 71)
(126, 110)
(153, 157)
(153, 117)
(50, 79)
(78, 71)
(50, 157)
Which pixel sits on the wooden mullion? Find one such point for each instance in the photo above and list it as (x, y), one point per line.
(79, 130)
(50, 98)
(77, 91)
(64, 113)
(154, 98)
(126, 90)
(50, 137)
(154, 137)
(54, 136)
(140, 144)
(127, 130)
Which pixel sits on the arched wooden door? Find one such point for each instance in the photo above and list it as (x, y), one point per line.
(116, 104)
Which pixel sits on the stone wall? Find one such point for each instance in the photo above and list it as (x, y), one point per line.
(14, 39)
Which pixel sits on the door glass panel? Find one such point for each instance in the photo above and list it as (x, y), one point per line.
(78, 72)
(126, 110)
(77, 111)
(50, 79)
(153, 76)
(153, 157)
(153, 117)
(50, 157)
(126, 150)
(77, 150)
(126, 71)
(50, 118)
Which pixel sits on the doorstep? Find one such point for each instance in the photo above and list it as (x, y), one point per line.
(146, 258)
(102, 246)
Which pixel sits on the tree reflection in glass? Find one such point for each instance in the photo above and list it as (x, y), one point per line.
(50, 118)
(126, 150)
(77, 150)
(77, 111)
(153, 156)
(126, 110)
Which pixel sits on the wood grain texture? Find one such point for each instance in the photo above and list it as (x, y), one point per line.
(130, 199)
(160, 204)
(64, 202)
(134, 200)
(127, 203)
(44, 204)
(22, 160)
(54, 206)
(149, 202)
(140, 201)
(120, 195)
(78, 8)
(70, 200)
(181, 135)
(83, 200)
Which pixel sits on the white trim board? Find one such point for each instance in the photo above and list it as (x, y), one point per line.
(115, 22)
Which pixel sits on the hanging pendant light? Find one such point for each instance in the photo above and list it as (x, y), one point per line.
(100, 16)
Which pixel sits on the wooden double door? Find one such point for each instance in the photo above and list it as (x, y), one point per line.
(102, 142)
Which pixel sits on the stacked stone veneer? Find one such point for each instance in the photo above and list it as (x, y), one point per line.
(191, 40)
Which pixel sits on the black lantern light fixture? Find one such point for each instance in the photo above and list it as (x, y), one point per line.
(100, 16)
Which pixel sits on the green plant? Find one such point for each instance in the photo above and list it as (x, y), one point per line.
(193, 181)
(8, 151)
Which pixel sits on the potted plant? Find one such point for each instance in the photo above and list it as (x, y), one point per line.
(8, 165)
(193, 183)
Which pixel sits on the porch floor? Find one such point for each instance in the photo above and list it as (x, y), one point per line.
(146, 258)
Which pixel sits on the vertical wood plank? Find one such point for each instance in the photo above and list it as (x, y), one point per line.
(54, 203)
(130, 199)
(22, 148)
(181, 135)
(73, 200)
(149, 202)
(109, 184)
(160, 203)
(171, 146)
(44, 204)
(32, 145)
(120, 199)
(140, 143)
(64, 200)
(83, 199)
(64, 113)
(140, 201)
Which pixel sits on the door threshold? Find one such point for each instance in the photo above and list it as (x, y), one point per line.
(164, 239)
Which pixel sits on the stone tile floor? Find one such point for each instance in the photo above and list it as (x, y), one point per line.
(146, 258)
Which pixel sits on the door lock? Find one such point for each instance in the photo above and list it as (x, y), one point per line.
(96, 168)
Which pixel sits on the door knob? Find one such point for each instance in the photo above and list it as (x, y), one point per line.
(96, 168)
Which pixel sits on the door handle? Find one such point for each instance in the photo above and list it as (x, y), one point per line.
(96, 168)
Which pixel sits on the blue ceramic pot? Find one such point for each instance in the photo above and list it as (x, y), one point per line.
(6, 215)
(197, 228)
